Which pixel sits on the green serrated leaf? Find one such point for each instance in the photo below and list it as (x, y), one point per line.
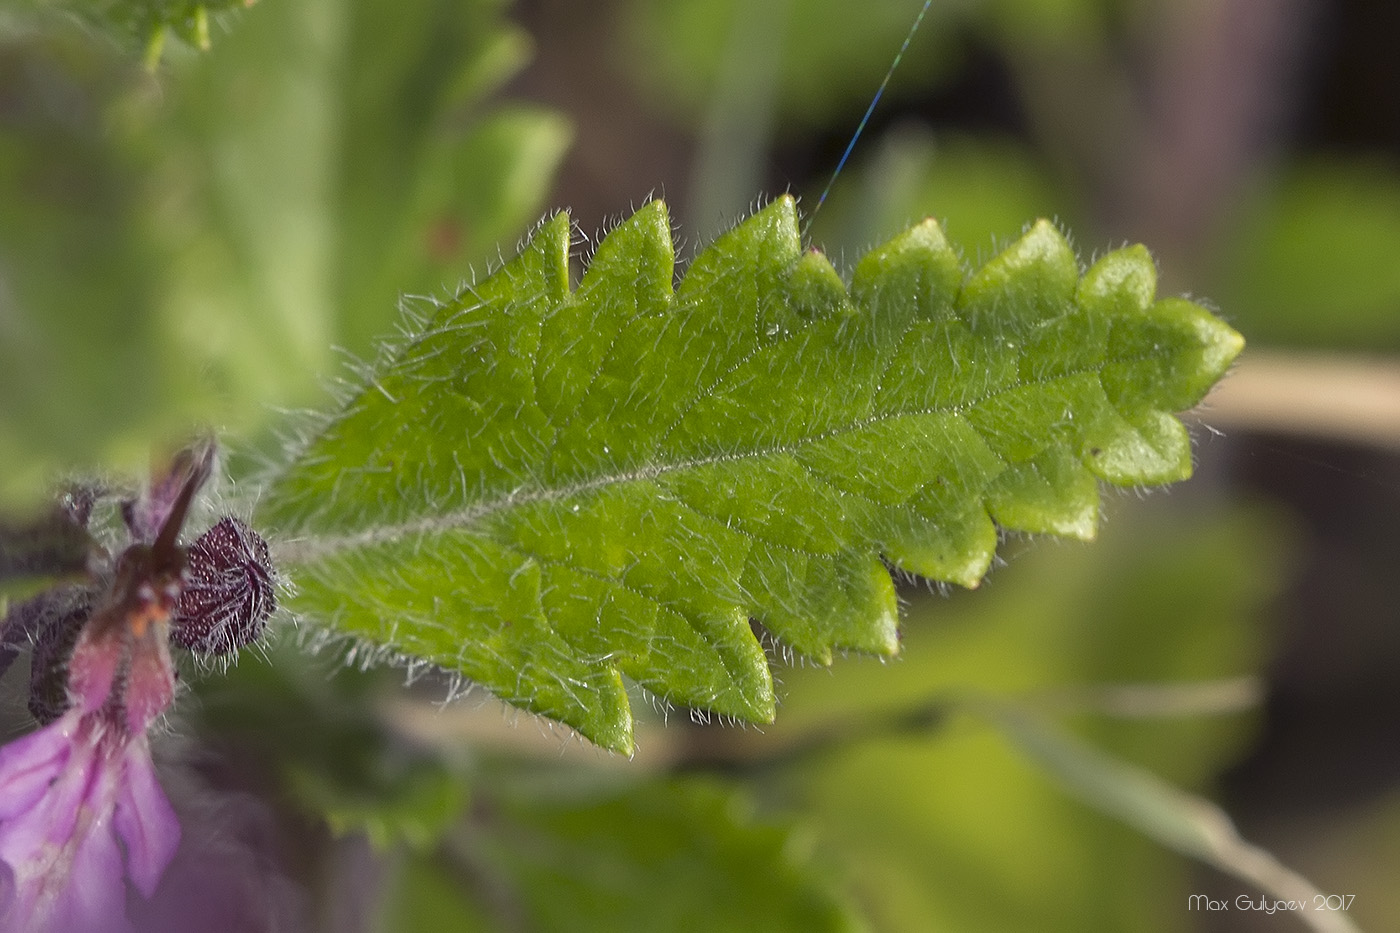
(548, 490)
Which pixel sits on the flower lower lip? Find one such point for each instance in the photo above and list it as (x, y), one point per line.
(83, 812)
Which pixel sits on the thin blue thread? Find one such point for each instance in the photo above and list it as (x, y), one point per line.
(860, 127)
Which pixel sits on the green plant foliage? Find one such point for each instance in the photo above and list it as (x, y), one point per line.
(337, 759)
(1184, 823)
(664, 855)
(143, 25)
(78, 288)
(966, 833)
(829, 53)
(982, 189)
(335, 155)
(221, 226)
(389, 800)
(1312, 262)
(428, 896)
(548, 489)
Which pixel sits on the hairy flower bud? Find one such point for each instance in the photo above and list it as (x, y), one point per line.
(228, 591)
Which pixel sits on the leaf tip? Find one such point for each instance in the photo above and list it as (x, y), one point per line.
(1212, 346)
(888, 628)
(611, 730)
(653, 211)
(782, 212)
(1229, 344)
(551, 226)
(1042, 242)
(1037, 271)
(1123, 281)
(623, 745)
(916, 274)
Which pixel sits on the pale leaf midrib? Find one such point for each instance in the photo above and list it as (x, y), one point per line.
(312, 548)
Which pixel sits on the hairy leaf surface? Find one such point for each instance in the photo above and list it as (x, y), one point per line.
(549, 489)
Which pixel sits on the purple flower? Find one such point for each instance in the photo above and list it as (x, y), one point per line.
(81, 811)
(80, 808)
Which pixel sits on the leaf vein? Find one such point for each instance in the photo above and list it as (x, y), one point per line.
(315, 548)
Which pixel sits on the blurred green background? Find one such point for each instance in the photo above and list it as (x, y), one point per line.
(208, 243)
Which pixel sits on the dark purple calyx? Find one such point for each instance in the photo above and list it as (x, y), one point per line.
(55, 546)
(228, 591)
(54, 619)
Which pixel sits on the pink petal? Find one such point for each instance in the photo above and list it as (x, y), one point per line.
(28, 766)
(80, 812)
(44, 779)
(93, 898)
(150, 681)
(64, 866)
(144, 819)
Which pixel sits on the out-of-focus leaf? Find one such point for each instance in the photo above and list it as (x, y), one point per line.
(420, 152)
(333, 155)
(663, 855)
(392, 803)
(1312, 261)
(832, 53)
(1045, 23)
(1180, 821)
(142, 26)
(626, 475)
(962, 834)
(334, 756)
(981, 190)
(428, 896)
(477, 196)
(192, 246)
(81, 366)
